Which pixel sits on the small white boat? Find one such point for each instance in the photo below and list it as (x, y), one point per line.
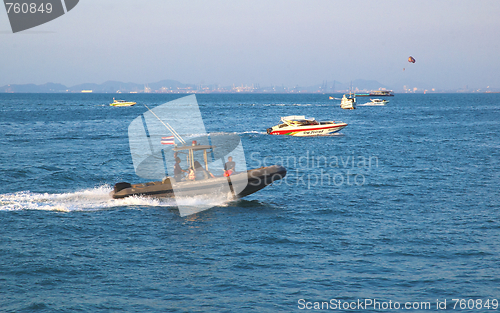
(299, 125)
(376, 102)
(348, 102)
(121, 103)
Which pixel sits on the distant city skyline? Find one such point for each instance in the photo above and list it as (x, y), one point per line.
(172, 86)
(270, 43)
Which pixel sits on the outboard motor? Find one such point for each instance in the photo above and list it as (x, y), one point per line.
(269, 130)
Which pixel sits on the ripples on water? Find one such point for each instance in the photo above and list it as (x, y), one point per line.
(419, 224)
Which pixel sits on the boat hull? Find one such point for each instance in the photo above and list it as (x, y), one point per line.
(255, 180)
(319, 130)
(348, 103)
(123, 104)
(381, 94)
(376, 102)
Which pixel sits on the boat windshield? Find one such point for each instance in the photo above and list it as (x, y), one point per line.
(302, 122)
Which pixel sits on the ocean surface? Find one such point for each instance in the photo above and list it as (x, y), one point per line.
(403, 206)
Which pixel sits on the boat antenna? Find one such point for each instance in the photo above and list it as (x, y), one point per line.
(170, 128)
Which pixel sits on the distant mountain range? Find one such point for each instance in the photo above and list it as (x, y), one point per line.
(106, 87)
(173, 86)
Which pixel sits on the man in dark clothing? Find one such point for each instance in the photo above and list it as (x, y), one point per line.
(178, 170)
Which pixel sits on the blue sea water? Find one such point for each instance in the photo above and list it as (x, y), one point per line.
(402, 206)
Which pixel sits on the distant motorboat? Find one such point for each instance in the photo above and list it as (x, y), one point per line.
(348, 102)
(377, 102)
(122, 103)
(299, 125)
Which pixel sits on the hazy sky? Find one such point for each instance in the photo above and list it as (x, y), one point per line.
(272, 42)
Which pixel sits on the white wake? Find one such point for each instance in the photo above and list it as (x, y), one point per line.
(94, 199)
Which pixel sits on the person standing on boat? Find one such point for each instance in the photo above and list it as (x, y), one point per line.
(178, 170)
(229, 167)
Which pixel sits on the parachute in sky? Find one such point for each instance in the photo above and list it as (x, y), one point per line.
(411, 59)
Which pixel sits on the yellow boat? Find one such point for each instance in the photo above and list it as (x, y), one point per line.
(122, 103)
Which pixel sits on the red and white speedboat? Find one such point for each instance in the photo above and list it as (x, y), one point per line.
(299, 125)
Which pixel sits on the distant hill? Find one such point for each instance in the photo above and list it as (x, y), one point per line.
(173, 86)
(45, 88)
(362, 84)
(335, 86)
(106, 87)
(168, 83)
(178, 87)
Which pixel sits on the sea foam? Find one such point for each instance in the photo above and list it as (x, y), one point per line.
(94, 199)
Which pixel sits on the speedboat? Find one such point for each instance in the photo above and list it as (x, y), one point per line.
(299, 125)
(377, 102)
(255, 180)
(348, 102)
(237, 184)
(122, 103)
(158, 157)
